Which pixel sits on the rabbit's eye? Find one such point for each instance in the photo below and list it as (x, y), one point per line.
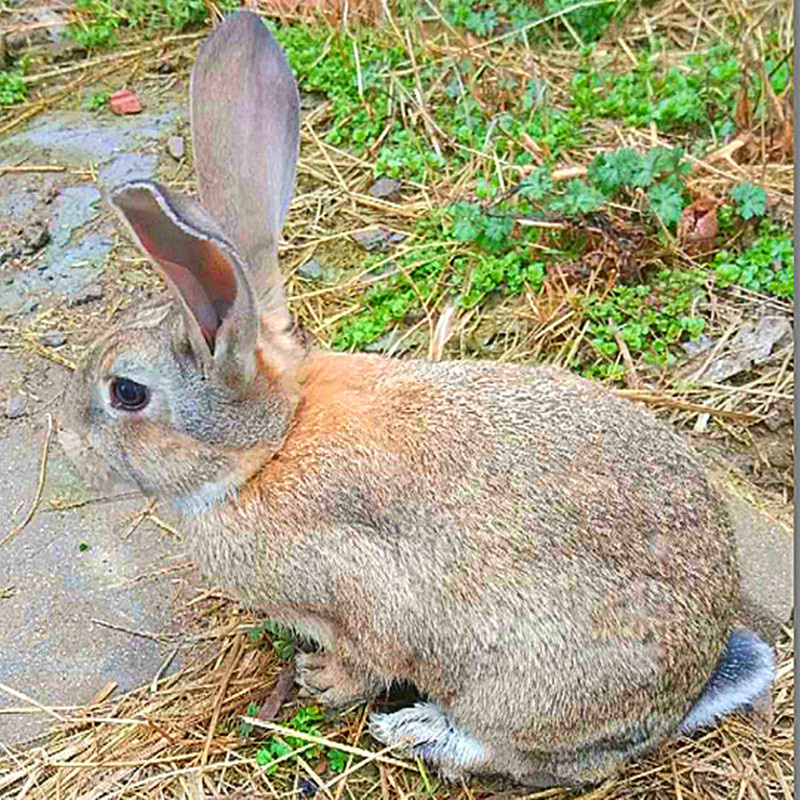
(128, 394)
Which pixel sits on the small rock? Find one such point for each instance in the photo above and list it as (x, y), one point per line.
(65, 50)
(47, 194)
(777, 420)
(15, 405)
(125, 101)
(176, 147)
(53, 339)
(386, 189)
(414, 316)
(50, 21)
(16, 41)
(378, 238)
(699, 345)
(385, 270)
(310, 271)
(36, 236)
(307, 787)
(10, 250)
(753, 344)
(94, 291)
(311, 100)
(371, 240)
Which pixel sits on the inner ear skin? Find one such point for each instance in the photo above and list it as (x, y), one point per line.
(200, 272)
(206, 313)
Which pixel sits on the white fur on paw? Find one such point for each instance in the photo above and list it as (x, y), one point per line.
(427, 730)
(323, 677)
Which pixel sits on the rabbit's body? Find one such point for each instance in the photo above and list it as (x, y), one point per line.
(542, 559)
(525, 548)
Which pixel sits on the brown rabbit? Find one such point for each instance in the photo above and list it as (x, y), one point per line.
(545, 561)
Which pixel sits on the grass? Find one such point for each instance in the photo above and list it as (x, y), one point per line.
(434, 110)
(97, 22)
(586, 25)
(491, 252)
(699, 96)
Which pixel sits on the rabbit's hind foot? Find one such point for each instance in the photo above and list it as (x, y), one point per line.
(427, 731)
(327, 679)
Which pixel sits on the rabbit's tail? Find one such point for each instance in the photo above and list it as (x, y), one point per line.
(744, 671)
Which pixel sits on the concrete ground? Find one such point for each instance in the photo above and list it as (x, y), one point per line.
(86, 595)
(66, 578)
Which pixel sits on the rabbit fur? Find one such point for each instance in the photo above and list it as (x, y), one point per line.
(543, 560)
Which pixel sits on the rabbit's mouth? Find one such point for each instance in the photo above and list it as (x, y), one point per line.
(99, 474)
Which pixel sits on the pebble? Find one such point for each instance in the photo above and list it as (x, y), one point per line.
(386, 189)
(777, 420)
(378, 238)
(307, 788)
(310, 271)
(176, 147)
(94, 291)
(15, 405)
(385, 343)
(36, 236)
(53, 339)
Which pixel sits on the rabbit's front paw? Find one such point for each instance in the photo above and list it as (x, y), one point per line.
(325, 678)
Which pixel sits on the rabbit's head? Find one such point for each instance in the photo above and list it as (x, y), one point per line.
(188, 399)
(181, 398)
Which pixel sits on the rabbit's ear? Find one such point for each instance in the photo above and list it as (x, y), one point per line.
(204, 273)
(245, 132)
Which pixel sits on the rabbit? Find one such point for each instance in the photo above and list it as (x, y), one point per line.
(545, 561)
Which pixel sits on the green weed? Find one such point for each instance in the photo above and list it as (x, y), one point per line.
(280, 636)
(701, 95)
(660, 171)
(98, 21)
(13, 88)
(98, 100)
(751, 201)
(475, 250)
(767, 265)
(246, 728)
(490, 18)
(490, 261)
(652, 318)
(614, 176)
(306, 720)
(96, 24)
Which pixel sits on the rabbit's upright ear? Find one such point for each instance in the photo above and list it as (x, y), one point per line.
(204, 273)
(245, 132)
